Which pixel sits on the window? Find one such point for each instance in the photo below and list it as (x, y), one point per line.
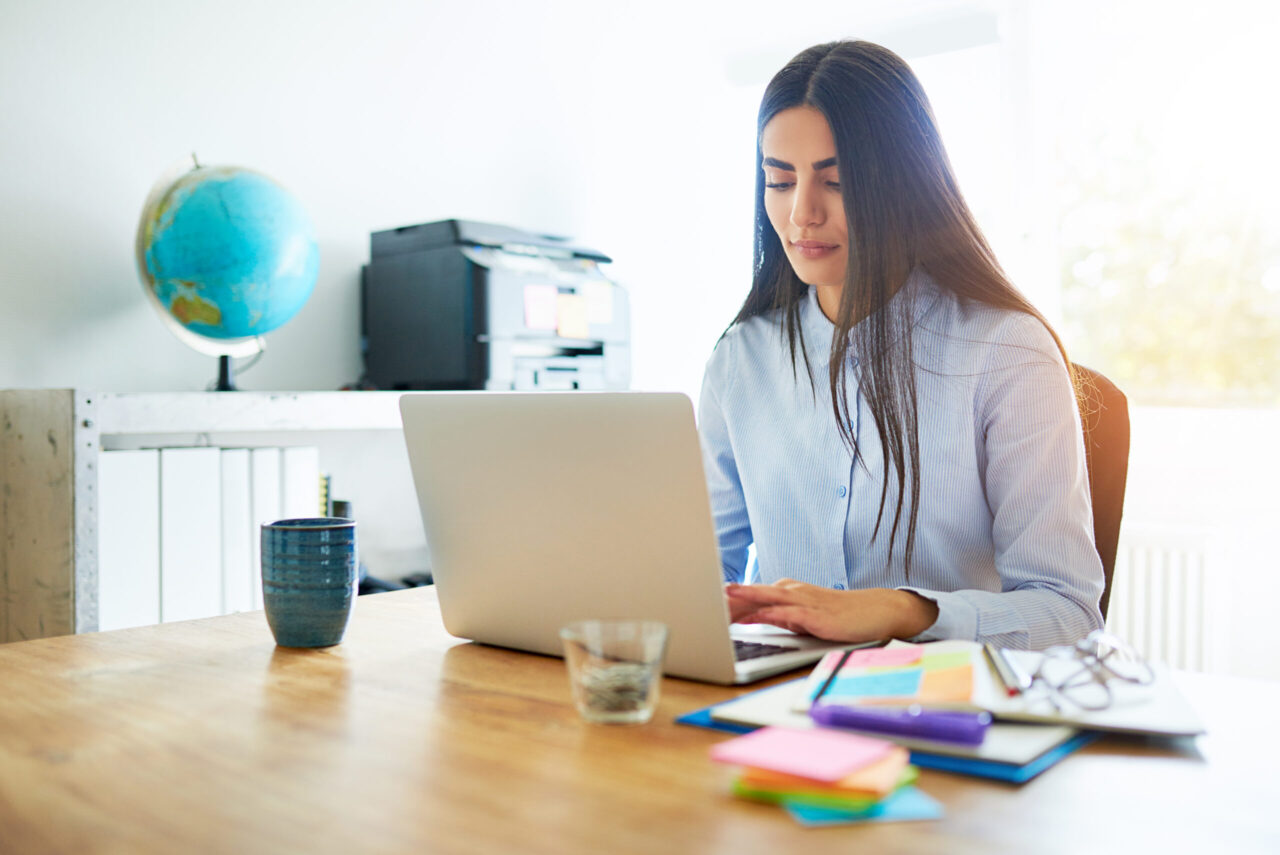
(1168, 227)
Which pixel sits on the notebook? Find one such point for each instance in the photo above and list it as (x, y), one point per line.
(543, 508)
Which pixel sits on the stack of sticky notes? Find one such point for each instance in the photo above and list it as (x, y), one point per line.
(826, 777)
(937, 674)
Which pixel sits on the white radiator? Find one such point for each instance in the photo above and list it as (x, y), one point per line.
(1163, 597)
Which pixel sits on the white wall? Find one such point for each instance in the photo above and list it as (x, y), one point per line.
(627, 126)
(1207, 477)
(623, 125)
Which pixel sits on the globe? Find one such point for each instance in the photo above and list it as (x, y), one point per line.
(226, 255)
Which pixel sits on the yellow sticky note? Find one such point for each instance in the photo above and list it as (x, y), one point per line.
(946, 660)
(571, 316)
(599, 296)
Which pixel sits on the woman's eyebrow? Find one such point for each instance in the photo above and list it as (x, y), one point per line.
(782, 164)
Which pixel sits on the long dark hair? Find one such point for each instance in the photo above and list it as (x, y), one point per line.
(904, 211)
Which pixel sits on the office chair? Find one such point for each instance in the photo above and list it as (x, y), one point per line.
(1105, 418)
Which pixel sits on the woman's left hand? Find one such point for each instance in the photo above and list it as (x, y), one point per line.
(873, 614)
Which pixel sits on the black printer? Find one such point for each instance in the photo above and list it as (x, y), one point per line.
(465, 305)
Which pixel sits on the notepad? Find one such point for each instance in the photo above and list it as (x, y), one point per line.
(878, 770)
(938, 674)
(822, 755)
(875, 780)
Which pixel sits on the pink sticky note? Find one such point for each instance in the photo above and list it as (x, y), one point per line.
(884, 656)
(820, 754)
(829, 662)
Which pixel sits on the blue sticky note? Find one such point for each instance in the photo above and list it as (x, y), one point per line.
(906, 805)
(886, 684)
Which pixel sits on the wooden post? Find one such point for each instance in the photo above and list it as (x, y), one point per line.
(37, 536)
(46, 521)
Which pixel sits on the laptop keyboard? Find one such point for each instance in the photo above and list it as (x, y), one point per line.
(743, 650)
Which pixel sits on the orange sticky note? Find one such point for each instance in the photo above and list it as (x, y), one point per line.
(876, 780)
(946, 685)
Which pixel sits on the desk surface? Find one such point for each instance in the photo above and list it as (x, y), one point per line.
(204, 737)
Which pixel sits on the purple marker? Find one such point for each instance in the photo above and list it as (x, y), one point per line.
(964, 728)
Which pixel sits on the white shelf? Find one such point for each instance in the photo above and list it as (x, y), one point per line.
(51, 441)
(202, 412)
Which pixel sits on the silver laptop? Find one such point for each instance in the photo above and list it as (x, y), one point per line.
(541, 508)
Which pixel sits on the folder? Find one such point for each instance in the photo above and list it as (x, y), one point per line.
(264, 504)
(238, 544)
(128, 539)
(300, 482)
(190, 533)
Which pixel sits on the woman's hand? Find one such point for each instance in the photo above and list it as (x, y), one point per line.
(873, 614)
(739, 608)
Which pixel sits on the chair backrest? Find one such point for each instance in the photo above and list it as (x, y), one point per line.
(1105, 418)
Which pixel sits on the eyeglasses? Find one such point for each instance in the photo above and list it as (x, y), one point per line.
(1082, 674)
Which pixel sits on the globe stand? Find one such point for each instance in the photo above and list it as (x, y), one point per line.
(225, 383)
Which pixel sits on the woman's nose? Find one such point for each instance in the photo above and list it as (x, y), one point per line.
(806, 208)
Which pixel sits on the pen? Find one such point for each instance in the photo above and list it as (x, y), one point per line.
(1019, 672)
(832, 676)
(1014, 680)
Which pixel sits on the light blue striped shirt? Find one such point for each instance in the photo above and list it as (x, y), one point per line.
(1004, 539)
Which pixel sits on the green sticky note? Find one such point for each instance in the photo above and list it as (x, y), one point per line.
(946, 660)
(833, 799)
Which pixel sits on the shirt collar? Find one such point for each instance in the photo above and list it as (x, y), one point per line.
(920, 289)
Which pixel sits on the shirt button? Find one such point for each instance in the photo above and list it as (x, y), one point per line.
(839, 586)
(842, 491)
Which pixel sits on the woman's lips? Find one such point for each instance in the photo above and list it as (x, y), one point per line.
(814, 248)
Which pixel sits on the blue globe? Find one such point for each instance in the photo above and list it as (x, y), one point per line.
(226, 254)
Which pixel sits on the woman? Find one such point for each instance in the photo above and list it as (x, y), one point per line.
(888, 419)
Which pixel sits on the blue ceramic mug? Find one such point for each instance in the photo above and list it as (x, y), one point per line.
(309, 579)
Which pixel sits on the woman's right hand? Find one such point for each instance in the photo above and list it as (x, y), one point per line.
(738, 607)
(869, 614)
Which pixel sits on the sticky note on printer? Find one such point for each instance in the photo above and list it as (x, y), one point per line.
(541, 305)
(599, 296)
(571, 316)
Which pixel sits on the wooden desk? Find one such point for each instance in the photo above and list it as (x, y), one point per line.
(205, 737)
